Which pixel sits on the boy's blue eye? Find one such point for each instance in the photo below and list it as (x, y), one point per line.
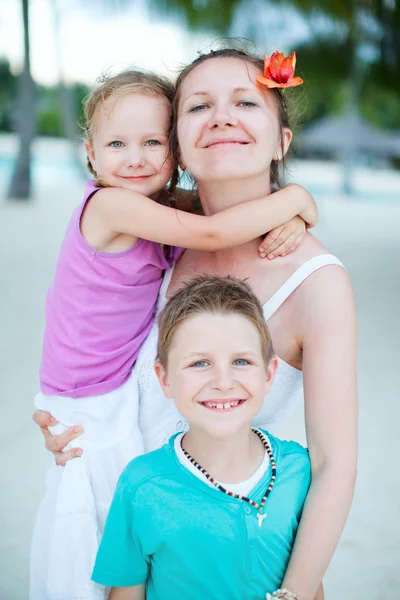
(116, 144)
(152, 143)
(200, 363)
(240, 362)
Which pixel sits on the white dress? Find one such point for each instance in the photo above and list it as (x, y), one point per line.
(158, 417)
(71, 517)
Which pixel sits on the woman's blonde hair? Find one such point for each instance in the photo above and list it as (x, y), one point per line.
(112, 87)
(211, 294)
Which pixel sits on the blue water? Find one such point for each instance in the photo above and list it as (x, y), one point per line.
(59, 168)
(42, 168)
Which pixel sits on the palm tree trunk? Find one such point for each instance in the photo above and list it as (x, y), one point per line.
(20, 186)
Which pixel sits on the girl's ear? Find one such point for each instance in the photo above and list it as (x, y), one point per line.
(90, 154)
(162, 377)
(270, 374)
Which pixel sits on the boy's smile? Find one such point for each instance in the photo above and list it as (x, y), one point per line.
(216, 372)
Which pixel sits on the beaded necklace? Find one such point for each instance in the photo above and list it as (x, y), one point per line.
(260, 515)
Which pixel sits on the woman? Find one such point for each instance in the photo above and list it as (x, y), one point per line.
(232, 133)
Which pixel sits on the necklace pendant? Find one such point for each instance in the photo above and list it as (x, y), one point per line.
(261, 518)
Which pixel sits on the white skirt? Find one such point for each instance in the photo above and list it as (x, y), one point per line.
(71, 517)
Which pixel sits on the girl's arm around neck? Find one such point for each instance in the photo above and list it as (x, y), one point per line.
(327, 330)
(136, 592)
(122, 211)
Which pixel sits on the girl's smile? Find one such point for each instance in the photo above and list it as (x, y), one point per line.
(130, 148)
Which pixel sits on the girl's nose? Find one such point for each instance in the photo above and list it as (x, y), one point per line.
(135, 159)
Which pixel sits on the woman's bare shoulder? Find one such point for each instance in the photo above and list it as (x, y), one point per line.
(309, 248)
(331, 281)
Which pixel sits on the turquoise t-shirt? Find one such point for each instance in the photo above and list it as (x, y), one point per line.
(190, 541)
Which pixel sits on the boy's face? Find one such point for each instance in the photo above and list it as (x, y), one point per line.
(216, 373)
(130, 148)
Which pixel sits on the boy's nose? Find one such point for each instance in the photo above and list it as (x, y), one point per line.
(223, 378)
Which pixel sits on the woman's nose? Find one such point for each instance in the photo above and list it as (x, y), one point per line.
(222, 116)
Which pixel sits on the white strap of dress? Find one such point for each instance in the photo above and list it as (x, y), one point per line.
(296, 279)
(162, 294)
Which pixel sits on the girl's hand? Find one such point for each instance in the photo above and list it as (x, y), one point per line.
(56, 443)
(283, 239)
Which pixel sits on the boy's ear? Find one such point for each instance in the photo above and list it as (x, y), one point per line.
(270, 375)
(90, 153)
(163, 379)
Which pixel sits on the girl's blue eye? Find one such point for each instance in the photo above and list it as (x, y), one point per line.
(152, 143)
(240, 362)
(200, 363)
(116, 144)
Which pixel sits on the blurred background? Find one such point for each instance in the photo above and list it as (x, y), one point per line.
(346, 152)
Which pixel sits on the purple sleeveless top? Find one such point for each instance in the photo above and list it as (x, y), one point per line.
(99, 310)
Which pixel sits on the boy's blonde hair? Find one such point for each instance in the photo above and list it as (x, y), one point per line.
(211, 294)
(112, 87)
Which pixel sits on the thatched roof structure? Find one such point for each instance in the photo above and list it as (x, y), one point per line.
(349, 134)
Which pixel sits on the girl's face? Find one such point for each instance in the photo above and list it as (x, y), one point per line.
(130, 148)
(216, 373)
(228, 126)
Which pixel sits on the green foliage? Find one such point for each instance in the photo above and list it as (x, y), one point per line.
(50, 122)
(7, 94)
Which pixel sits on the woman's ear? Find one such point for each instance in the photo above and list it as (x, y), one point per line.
(90, 153)
(284, 144)
(162, 377)
(286, 139)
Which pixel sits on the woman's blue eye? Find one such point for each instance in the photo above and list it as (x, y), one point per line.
(152, 143)
(240, 362)
(247, 103)
(198, 108)
(116, 144)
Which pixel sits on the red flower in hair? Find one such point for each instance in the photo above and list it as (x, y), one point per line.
(279, 71)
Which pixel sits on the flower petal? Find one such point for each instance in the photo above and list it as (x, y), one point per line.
(287, 70)
(270, 83)
(274, 68)
(294, 60)
(293, 82)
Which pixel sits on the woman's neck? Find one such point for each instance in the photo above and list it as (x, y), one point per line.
(217, 196)
(228, 459)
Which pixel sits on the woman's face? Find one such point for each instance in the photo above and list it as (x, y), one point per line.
(228, 126)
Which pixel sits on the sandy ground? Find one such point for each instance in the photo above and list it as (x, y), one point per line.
(363, 234)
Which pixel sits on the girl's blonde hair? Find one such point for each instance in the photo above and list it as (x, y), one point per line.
(112, 87)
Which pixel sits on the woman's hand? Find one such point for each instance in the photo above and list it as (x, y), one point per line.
(56, 443)
(283, 239)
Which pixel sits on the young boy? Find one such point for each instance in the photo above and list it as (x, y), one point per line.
(213, 514)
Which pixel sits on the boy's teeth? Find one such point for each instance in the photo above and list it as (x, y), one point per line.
(222, 406)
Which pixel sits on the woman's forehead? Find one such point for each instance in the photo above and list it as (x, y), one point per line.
(220, 72)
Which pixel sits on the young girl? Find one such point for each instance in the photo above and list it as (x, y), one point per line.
(175, 531)
(100, 308)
